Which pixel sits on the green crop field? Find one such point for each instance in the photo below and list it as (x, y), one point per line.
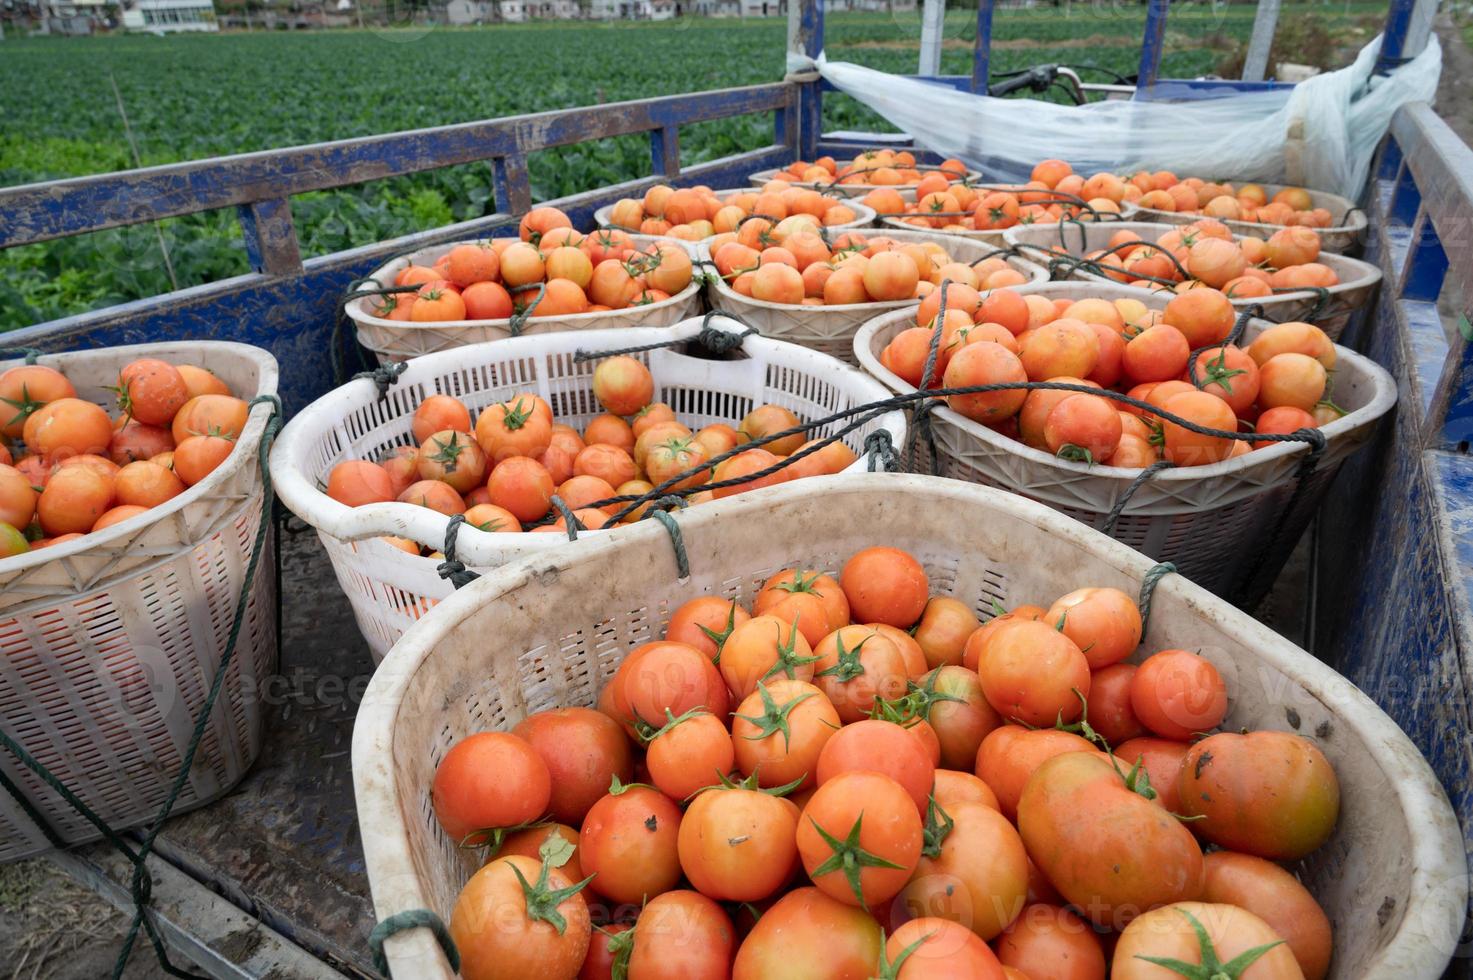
(63, 104)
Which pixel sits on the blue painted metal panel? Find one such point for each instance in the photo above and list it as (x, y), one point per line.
(982, 50)
(1394, 35)
(809, 40)
(1153, 42)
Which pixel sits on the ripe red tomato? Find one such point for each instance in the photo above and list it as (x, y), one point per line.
(939, 949)
(682, 935)
(584, 751)
(500, 934)
(856, 665)
(959, 715)
(1110, 713)
(1010, 754)
(885, 585)
(955, 788)
(1048, 941)
(973, 871)
(1171, 933)
(1104, 623)
(738, 844)
(705, 623)
(809, 934)
(859, 838)
(827, 611)
(943, 630)
(884, 747)
(1270, 794)
(1111, 852)
(664, 676)
(1178, 694)
(628, 842)
(780, 730)
(689, 753)
(489, 780)
(1277, 897)
(1161, 760)
(1031, 672)
(764, 649)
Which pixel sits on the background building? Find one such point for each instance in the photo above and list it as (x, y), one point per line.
(170, 16)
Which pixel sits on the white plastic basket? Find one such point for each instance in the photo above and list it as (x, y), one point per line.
(398, 340)
(852, 187)
(1357, 286)
(389, 588)
(864, 215)
(830, 329)
(1216, 523)
(109, 643)
(1392, 878)
(1347, 221)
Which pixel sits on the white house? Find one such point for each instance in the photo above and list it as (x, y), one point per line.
(72, 16)
(513, 11)
(764, 8)
(461, 12)
(167, 16)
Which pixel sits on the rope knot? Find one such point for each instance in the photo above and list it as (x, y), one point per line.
(657, 512)
(384, 376)
(453, 568)
(880, 449)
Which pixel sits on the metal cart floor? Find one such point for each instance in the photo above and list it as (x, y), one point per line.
(269, 882)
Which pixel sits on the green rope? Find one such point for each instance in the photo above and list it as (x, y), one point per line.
(29, 353)
(453, 568)
(411, 919)
(657, 512)
(1149, 581)
(384, 376)
(141, 884)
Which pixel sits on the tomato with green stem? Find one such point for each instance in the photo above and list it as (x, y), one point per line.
(860, 838)
(823, 592)
(705, 623)
(958, 712)
(1202, 941)
(690, 752)
(628, 843)
(453, 458)
(1277, 897)
(519, 917)
(1104, 623)
(938, 949)
(973, 870)
(855, 666)
(765, 649)
(1108, 849)
(780, 730)
(738, 841)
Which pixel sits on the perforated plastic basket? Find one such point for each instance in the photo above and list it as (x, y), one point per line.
(108, 643)
(388, 588)
(1223, 525)
(830, 329)
(1392, 878)
(397, 340)
(1347, 221)
(1357, 286)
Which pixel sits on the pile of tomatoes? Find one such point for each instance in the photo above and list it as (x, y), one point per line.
(1206, 253)
(801, 269)
(958, 207)
(502, 469)
(67, 468)
(1279, 383)
(877, 168)
(697, 213)
(770, 793)
(550, 270)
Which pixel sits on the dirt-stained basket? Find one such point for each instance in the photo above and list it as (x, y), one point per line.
(1392, 878)
(109, 643)
(1347, 221)
(1226, 526)
(1357, 286)
(389, 589)
(830, 329)
(398, 340)
(864, 215)
(853, 186)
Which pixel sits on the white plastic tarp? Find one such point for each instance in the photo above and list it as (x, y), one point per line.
(1320, 134)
